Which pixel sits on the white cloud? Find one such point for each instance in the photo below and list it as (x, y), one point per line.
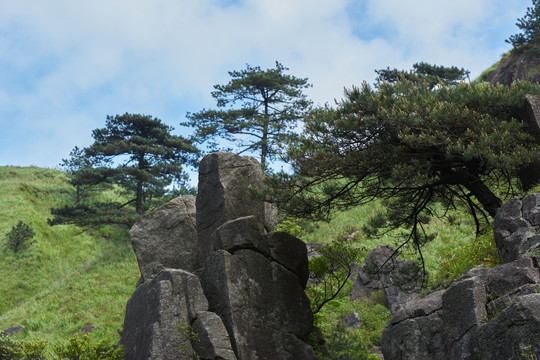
(67, 64)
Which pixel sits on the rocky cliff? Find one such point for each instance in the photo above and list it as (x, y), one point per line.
(216, 282)
(487, 313)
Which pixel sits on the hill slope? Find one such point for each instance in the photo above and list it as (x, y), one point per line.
(67, 279)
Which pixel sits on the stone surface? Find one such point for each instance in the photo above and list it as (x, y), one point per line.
(247, 300)
(516, 67)
(12, 331)
(399, 280)
(516, 228)
(487, 311)
(167, 238)
(351, 320)
(213, 339)
(225, 193)
(514, 332)
(261, 303)
(155, 312)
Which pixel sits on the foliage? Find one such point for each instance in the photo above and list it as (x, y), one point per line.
(270, 103)
(19, 237)
(530, 30)
(424, 75)
(89, 275)
(330, 272)
(413, 148)
(457, 261)
(75, 348)
(292, 226)
(81, 348)
(136, 153)
(349, 343)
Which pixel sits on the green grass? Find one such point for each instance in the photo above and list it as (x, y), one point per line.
(68, 278)
(453, 250)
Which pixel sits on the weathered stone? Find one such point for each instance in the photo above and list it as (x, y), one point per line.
(399, 280)
(155, 312)
(516, 234)
(463, 311)
(351, 320)
(12, 331)
(261, 303)
(514, 332)
(242, 233)
(290, 252)
(225, 193)
(505, 278)
(167, 238)
(212, 338)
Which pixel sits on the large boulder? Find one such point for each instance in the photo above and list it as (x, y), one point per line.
(225, 192)
(159, 318)
(489, 312)
(382, 272)
(516, 228)
(262, 304)
(167, 238)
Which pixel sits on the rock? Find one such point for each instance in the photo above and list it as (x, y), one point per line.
(213, 339)
(514, 332)
(291, 253)
(225, 193)
(261, 303)
(87, 329)
(167, 238)
(12, 331)
(247, 300)
(351, 320)
(242, 233)
(457, 322)
(516, 67)
(399, 280)
(516, 228)
(156, 311)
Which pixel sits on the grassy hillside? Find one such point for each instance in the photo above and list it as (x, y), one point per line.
(67, 279)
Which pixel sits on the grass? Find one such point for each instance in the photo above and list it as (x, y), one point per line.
(453, 250)
(68, 278)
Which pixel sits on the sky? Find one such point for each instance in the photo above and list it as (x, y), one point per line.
(65, 65)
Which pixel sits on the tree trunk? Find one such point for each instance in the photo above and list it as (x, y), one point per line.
(489, 201)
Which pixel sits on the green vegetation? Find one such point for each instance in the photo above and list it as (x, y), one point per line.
(269, 105)
(530, 30)
(136, 153)
(19, 237)
(424, 75)
(69, 278)
(453, 249)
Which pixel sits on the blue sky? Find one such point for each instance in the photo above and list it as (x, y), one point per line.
(65, 65)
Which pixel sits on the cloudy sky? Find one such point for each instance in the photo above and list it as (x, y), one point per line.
(65, 65)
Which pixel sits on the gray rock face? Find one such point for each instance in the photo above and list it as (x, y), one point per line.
(167, 238)
(248, 300)
(516, 227)
(491, 313)
(399, 280)
(262, 305)
(155, 313)
(225, 193)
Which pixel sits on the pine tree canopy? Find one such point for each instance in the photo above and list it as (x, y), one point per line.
(257, 112)
(413, 148)
(139, 154)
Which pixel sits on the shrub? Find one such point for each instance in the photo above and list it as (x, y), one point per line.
(19, 237)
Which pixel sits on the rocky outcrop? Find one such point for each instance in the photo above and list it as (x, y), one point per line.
(167, 238)
(397, 280)
(247, 300)
(487, 313)
(517, 67)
